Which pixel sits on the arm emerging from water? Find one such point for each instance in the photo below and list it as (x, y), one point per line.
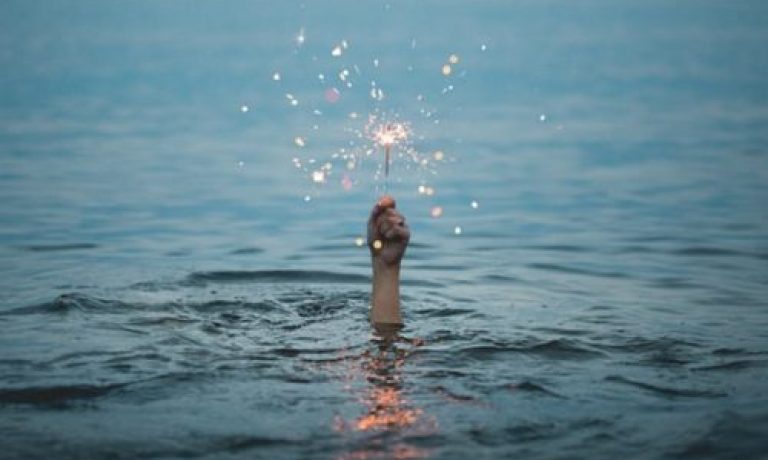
(388, 236)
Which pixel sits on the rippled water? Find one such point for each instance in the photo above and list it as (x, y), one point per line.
(159, 299)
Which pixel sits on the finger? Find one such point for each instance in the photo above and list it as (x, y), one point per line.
(397, 233)
(383, 203)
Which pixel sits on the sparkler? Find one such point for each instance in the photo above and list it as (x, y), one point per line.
(387, 135)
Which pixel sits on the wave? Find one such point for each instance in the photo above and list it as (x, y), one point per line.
(558, 349)
(55, 395)
(58, 247)
(530, 387)
(576, 271)
(667, 391)
(274, 276)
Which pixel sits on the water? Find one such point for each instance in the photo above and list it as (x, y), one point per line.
(166, 291)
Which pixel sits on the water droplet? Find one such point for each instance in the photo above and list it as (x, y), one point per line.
(446, 70)
(474, 204)
(457, 230)
(542, 117)
(276, 76)
(436, 212)
(307, 198)
(299, 141)
(244, 108)
(336, 51)
(453, 59)
(439, 155)
(359, 241)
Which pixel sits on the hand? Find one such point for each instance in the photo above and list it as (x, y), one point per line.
(388, 233)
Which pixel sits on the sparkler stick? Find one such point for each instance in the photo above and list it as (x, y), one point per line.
(386, 135)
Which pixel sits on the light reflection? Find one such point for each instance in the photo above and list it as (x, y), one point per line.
(387, 407)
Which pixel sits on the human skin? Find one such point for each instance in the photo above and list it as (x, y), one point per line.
(388, 237)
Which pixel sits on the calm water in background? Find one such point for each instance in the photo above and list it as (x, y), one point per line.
(166, 292)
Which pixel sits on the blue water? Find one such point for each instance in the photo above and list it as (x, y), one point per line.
(166, 291)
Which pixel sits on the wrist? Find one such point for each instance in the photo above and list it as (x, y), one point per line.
(385, 299)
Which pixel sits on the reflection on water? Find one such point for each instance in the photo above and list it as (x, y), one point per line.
(388, 412)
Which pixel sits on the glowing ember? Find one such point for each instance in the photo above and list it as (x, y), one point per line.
(436, 212)
(332, 95)
(377, 244)
(346, 182)
(389, 134)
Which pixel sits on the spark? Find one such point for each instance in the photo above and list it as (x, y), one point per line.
(318, 176)
(332, 95)
(339, 49)
(387, 135)
(422, 190)
(291, 99)
(436, 212)
(377, 244)
(447, 69)
(346, 182)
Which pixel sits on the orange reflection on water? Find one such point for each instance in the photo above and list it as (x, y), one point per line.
(387, 409)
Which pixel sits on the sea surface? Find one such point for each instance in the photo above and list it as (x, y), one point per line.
(173, 286)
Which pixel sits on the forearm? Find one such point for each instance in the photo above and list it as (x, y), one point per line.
(385, 298)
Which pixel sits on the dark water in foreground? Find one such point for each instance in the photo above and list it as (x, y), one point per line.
(606, 299)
